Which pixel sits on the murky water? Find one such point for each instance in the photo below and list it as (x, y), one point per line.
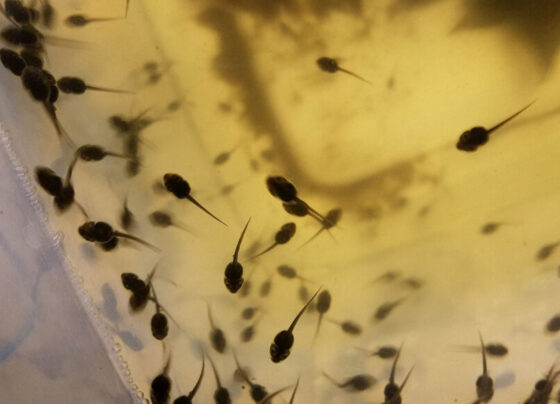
(231, 93)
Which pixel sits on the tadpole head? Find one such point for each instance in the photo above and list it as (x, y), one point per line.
(285, 233)
(91, 153)
(472, 139)
(87, 231)
(16, 10)
(139, 299)
(48, 180)
(182, 400)
(160, 326)
(281, 188)
(247, 333)
(323, 302)
(175, 184)
(131, 281)
(65, 199)
(258, 392)
(391, 390)
(12, 61)
(221, 396)
(387, 352)
(277, 354)
(36, 83)
(160, 389)
(71, 85)
(110, 245)
(103, 232)
(284, 340)
(119, 123)
(160, 218)
(233, 284)
(31, 57)
(218, 340)
(77, 20)
(296, 208)
(327, 64)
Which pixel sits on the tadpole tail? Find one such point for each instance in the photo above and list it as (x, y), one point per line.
(103, 19)
(312, 238)
(236, 253)
(243, 374)
(82, 210)
(199, 381)
(165, 370)
(109, 90)
(495, 127)
(272, 395)
(294, 392)
(71, 168)
(331, 379)
(353, 75)
(312, 212)
(126, 8)
(194, 201)
(210, 319)
(303, 310)
(214, 369)
(115, 154)
(263, 252)
(317, 328)
(392, 377)
(138, 240)
(405, 379)
(51, 111)
(484, 366)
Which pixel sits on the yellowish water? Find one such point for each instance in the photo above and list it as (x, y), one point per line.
(384, 152)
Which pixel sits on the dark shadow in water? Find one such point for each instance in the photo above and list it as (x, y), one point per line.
(270, 9)
(536, 22)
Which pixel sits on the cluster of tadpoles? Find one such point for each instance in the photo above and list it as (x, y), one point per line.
(27, 63)
(143, 291)
(103, 234)
(63, 190)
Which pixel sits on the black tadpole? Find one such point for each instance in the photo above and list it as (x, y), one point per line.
(90, 152)
(127, 220)
(12, 61)
(159, 323)
(355, 383)
(475, 137)
(217, 336)
(233, 276)
(161, 386)
(331, 219)
(221, 395)
(179, 187)
(75, 85)
(258, 392)
(331, 65)
(484, 383)
(282, 236)
(392, 391)
(322, 306)
(543, 388)
(270, 396)
(187, 399)
(102, 232)
(80, 20)
(16, 11)
(284, 340)
(32, 57)
(284, 190)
